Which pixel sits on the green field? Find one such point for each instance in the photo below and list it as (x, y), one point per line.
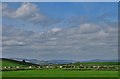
(56, 72)
(59, 73)
(8, 62)
(11, 63)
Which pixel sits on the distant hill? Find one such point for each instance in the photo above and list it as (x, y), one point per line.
(10, 62)
(35, 61)
(60, 61)
(99, 60)
(18, 61)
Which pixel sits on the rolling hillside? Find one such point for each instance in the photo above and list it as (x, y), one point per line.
(12, 62)
(9, 62)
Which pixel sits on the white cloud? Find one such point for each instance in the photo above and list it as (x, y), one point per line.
(89, 28)
(56, 30)
(27, 11)
(13, 42)
(87, 40)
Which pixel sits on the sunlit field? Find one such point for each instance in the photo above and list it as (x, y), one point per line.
(59, 73)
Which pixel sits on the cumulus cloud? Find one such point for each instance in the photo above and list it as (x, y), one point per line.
(80, 40)
(27, 11)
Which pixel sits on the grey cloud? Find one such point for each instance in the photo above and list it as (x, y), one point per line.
(98, 41)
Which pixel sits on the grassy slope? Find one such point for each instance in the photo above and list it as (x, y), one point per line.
(59, 73)
(8, 62)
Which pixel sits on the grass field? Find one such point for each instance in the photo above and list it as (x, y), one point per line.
(59, 73)
(11, 63)
(56, 72)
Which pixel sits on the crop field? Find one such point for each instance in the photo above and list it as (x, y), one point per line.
(59, 73)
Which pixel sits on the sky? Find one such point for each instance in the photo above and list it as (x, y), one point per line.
(60, 30)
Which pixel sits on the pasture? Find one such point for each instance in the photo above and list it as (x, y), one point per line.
(11, 63)
(59, 73)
